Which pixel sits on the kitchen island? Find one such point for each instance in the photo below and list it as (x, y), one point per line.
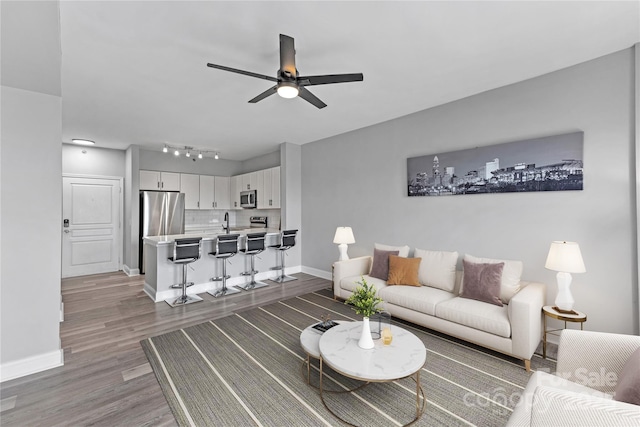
(161, 274)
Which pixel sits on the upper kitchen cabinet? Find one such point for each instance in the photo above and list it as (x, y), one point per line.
(159, 181)
(235, 186)
(249, 181)
(214, 192)
(221, 194)
(190, 186)
(268, 186)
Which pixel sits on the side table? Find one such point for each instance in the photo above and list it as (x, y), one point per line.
(549, 311)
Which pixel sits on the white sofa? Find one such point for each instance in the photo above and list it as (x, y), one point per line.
(580, 393)
(514, 329)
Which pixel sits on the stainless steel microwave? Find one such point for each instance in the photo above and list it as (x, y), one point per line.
(248, 199)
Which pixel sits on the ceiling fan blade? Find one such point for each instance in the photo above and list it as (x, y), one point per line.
(246, 73)
(287, 56)
(264, 94)
(309, 97)
(329, 79)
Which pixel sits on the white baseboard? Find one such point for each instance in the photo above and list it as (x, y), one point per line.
(61, 311)
(31, 365)
(200, 288)
(130, 271)
(317, 272)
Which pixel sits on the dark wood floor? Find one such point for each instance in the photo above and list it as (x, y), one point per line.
(106, 379)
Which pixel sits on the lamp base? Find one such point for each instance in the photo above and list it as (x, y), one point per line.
(559, 310)
(342, 247)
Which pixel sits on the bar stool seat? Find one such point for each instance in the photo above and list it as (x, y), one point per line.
(185, 252)
(255, 246)
(287, 241)
(226, 247)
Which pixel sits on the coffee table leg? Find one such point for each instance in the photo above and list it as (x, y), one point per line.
(308, 370)
(321, 380)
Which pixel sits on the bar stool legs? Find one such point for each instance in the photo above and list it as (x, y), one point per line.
(183, 299)
(224, 290)
(287, 241)
(252, 284)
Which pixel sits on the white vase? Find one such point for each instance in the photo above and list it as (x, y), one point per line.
(366, 341)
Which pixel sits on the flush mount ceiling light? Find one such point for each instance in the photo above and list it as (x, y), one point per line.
(83, 142)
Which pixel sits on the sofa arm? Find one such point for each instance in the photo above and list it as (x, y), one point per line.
(594, 359)
(525, 314)
(552, 406)
(348, 268)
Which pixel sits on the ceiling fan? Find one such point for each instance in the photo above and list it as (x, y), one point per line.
(288, 83)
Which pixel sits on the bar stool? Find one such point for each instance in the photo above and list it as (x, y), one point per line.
(287, 241)
(255, 246)
(185, 251)
(226, 247)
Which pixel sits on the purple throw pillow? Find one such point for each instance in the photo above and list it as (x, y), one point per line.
(380, 267)
(482, 282)
(628, 387)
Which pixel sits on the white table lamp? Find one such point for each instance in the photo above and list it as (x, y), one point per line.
(565, 258)
(343, 237)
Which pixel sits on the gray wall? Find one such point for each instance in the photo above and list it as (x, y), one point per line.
(82, 160)
(359, 179)
(266, 161)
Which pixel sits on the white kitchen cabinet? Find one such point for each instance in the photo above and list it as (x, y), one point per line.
(207, 192)
(190, 186)
(221, 193)
(249, 181)
(235, 186)
(159, 181)
(275, 188)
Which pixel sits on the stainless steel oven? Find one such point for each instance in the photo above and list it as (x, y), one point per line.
(248, 199)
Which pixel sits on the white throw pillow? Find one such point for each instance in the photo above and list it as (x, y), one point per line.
(403, 251)
(437, 269)
(511, 274)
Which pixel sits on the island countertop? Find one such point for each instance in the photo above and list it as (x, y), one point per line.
(169, 239)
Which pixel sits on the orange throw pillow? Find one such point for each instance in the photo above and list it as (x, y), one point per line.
(403, 271)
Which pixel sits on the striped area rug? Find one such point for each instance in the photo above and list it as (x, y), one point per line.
(246, 369)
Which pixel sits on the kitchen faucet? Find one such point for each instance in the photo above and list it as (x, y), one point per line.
(226, 222)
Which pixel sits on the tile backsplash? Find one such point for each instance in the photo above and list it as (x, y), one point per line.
(215, 217)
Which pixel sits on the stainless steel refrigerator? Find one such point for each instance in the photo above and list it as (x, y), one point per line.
(161, 213)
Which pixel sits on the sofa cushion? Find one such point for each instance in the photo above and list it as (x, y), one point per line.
(403, 271)
(482, 282)
(380, 265)
(628, 387)
(476, 314)
(511, 274)
(422, 299)
(351, 283)
(437, 269)
(403, 251)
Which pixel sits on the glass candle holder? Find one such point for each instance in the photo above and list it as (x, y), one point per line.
(385, 328)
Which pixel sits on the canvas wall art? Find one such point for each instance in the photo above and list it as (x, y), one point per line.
(551, 163)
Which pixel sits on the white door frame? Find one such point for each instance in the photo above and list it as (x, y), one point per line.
(120, 213)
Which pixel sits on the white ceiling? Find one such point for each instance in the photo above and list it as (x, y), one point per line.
(135, 72)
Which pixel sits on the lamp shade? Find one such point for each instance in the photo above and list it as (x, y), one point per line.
(565, 257)
(344, 235)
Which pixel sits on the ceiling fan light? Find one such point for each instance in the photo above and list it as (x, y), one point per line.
(287, 90)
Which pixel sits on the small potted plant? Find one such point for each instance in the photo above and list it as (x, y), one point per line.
(365, 302)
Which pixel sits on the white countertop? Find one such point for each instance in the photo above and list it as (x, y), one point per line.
(206, 235)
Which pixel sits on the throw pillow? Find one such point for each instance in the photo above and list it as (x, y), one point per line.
(403, 271)
(511, 273)
(380, 266)
(437, 269)
(403, 251)
(628, 387)
(482, 282)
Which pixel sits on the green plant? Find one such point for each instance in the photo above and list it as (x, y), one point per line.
(364, 299)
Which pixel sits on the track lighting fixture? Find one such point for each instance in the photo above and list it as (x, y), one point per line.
(187, 151)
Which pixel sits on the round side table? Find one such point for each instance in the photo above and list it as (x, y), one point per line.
(550, 311)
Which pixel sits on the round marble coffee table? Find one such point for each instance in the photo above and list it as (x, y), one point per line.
(405, 357)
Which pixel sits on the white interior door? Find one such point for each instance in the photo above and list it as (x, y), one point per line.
(91, 225)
